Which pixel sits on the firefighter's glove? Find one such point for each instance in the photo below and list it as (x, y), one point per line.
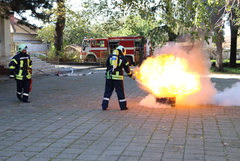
(132, 77)
(11, 76)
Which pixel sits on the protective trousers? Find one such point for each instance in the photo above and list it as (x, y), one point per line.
(23, 85)
(109, 87)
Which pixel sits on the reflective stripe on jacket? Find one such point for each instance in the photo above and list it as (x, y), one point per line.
(21, 65)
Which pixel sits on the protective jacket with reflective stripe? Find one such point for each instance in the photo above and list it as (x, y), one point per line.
(117, 73)
(21, 65)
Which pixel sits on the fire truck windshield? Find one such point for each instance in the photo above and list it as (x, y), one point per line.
(86, 43)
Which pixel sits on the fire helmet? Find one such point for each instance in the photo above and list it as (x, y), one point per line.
(122, 49)
(21, 47)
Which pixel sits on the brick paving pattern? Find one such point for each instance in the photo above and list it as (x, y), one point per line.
(64, 122)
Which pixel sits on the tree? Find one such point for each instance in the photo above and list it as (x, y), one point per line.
(60, 24)
(170, 20)
(234, 32)
(76, 28)
(219, 40)
(132, 25)
(217, 37)
(229, 8)
(20, 7)
(46, 33)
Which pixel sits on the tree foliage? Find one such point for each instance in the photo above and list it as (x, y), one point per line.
(20, 7)
(171, 17)
(46, 34)
(76, 28)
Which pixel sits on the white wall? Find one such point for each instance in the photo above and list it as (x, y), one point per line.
(36, 47)
(24, 37)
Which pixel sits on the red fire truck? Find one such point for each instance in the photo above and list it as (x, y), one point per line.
(92, 49)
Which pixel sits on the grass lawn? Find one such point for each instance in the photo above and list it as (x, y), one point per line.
(227, 70)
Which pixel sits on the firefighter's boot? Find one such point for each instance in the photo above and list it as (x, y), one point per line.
(19, 96)
(104, 104)
(25, 98)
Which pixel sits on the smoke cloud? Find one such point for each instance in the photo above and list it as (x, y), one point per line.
(150, 101)
(229, 97)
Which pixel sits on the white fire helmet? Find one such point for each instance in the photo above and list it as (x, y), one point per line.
(122, 49)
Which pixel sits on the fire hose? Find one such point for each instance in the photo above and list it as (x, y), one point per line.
(143, 85)
(139, 82)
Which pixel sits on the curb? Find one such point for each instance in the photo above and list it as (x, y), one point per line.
(78, 70)
(4, 78)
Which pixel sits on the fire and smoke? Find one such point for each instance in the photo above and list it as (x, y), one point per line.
(159, 75)
(174, 71)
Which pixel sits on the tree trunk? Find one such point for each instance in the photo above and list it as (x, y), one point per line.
(58, 35)
(233, 51)
(219, 63)
(142, 42)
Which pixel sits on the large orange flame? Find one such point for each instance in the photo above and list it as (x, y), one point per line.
(168, 76)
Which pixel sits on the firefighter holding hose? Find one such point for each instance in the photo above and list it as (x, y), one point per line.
(115, 64)
(20, 68)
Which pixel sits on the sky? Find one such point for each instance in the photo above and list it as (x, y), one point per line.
(227, 30)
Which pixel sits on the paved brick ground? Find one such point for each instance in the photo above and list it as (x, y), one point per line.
(64, 121)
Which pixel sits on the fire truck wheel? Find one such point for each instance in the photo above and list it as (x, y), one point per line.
(91, 58)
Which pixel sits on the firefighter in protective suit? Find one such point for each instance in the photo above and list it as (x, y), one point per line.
(20, 68)
(114, 77)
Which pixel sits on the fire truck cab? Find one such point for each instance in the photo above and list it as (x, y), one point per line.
(92, 48)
